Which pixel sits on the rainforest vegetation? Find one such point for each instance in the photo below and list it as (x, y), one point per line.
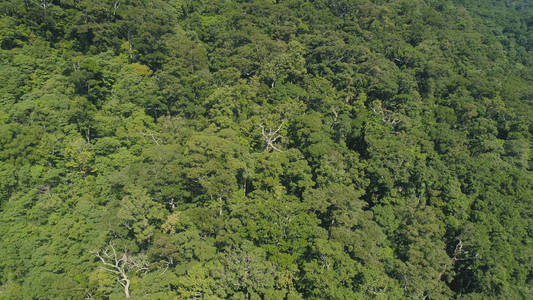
(266, 149)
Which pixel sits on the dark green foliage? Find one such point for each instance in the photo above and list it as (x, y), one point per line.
(286, 149)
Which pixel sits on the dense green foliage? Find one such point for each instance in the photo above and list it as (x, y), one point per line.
(405, 129)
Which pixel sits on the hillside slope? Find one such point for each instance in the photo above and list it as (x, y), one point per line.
(288, 149)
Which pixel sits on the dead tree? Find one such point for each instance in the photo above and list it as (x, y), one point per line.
(115, 7)
(116, 265)
(387, 115)
(271, 137)
(460, 254)
(44, 4)
(152, 135)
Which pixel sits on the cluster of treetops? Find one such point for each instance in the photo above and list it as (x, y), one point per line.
(261, 149)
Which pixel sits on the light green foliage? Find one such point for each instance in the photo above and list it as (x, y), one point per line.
(140, 214)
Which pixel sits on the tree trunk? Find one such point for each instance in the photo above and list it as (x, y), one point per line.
(127, 288)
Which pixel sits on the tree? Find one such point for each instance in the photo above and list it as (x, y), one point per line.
(116, 265)
(271, 137)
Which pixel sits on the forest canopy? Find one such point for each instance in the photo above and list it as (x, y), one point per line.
(261, 149)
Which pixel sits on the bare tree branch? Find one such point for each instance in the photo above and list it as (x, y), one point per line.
(271, 136)
(117, 266)
(151, 134)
